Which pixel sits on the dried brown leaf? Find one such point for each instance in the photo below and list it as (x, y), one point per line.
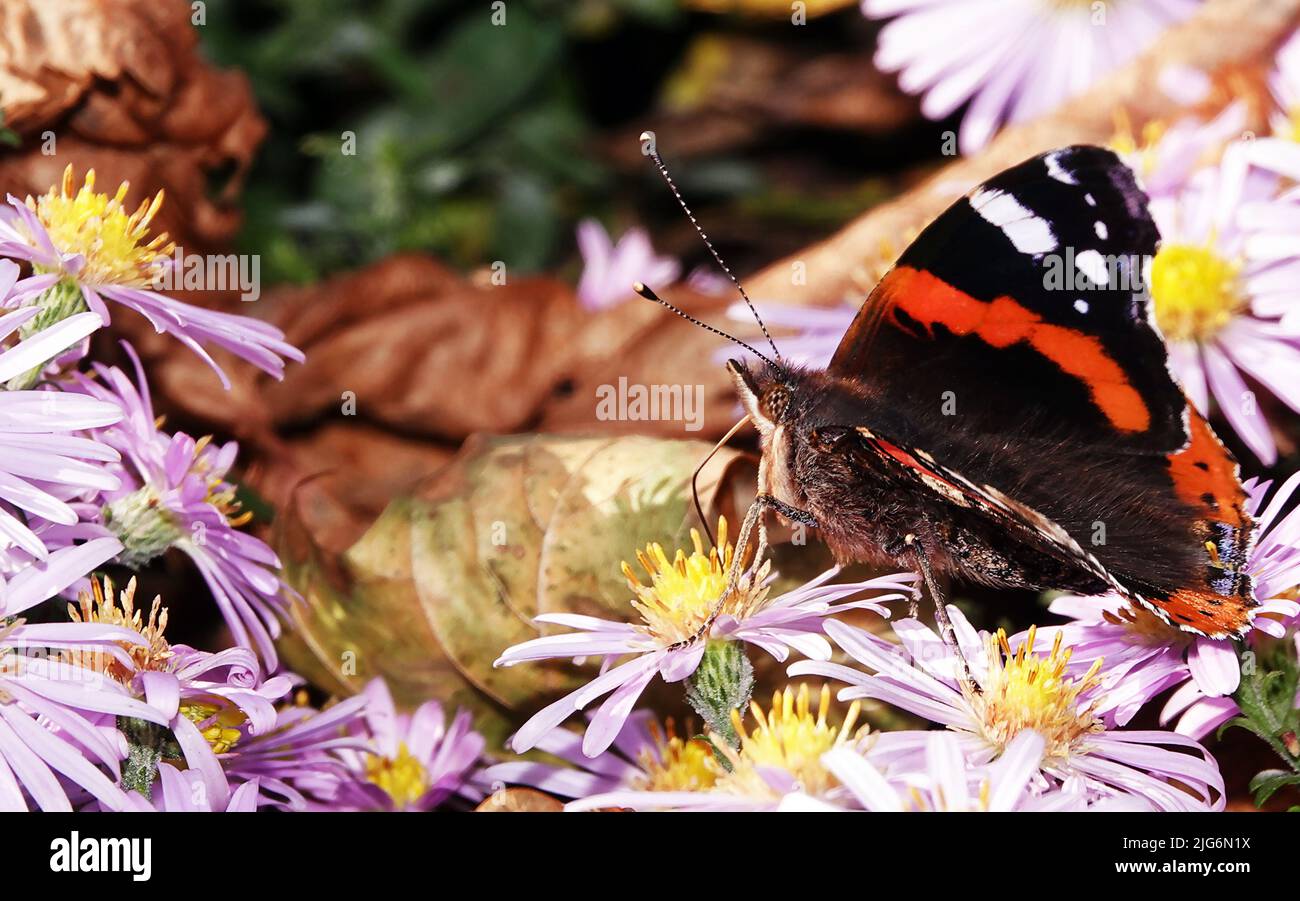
(448, 576)
(123, 89)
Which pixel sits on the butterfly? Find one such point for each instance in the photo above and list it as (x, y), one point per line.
(1002, 410)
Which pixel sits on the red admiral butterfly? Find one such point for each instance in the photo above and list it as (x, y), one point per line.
(979, 420)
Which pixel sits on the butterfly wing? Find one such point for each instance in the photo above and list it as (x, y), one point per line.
(1013, 343)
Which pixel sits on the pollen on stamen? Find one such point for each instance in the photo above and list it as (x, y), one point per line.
(114, 244)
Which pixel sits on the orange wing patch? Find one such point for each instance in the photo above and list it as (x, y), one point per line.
(1003, 322)
(1205, 475)
(1205, 478)
(1206, 612)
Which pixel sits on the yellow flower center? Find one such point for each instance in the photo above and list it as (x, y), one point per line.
(1023, 690)
(1196, 291)
(791, 736)
(684, 592)
(99, 607)
(403, 778)
(221, 729)
(97, 226)
(681, 765)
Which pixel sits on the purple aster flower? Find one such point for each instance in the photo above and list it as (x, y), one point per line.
(643, 757)
(44, 465)
(186, 791)
(1214, 288)
(676, 611)
(1280, 151)
(779, 762)
(814, 332)
(94, 251)
(1167, 157)
(407, 762)
(174, 494)
(296, 763)
(1020, 690)
(1012, 59)
(208, 702)
(53, 746)
(609, 269)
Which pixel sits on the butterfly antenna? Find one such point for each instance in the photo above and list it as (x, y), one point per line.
(648, 148)
(645, 292)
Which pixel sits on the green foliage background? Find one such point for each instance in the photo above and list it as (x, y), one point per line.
(473, 139)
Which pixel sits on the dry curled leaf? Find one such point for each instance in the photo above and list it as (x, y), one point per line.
(431, 355)
(1212, 41)
(121, 87)
(449, 576)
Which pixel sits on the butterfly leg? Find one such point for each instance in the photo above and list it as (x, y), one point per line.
(753, 519)
(946, 631)
(794, 514)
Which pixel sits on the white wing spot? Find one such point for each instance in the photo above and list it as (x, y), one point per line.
(1057, 171)
(1092, 264)
(1081, 305)
(1100, 228)
(1027, 232)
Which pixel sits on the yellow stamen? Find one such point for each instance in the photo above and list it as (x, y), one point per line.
(99, 607)
(681, 764)
(217, 725)
(1195, 290)
(1023, 690)
(790, 736)
(684, 591)
(97, 226)
(403, 778)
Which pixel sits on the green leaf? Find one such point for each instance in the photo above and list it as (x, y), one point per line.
(1267, 783)
(1266, 697)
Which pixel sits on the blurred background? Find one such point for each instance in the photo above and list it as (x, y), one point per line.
(489, 142)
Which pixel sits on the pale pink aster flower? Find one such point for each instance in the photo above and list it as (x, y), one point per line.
(1280, 151)
(950, 783)
(610, 270)
(1167, 158)
(1216, 260)
(53, 745)
(407, 762)
(1020, 690)
(173, 493)
(1013, 60)
(675, 609)
(92, 250)
(643, 757)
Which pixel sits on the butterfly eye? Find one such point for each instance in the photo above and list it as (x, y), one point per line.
(774, 403)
